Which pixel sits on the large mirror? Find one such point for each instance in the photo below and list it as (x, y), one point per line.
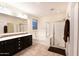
(20, 27)
(10, 27)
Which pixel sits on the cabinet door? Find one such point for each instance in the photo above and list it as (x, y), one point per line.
(22, 43)
(3, 50)
(12, 46)
(26, 41)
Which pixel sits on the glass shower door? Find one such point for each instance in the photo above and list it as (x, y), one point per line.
(59, 34)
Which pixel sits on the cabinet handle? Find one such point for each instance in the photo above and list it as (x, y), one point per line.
(19, 41)
(19, 44)
(19, 47)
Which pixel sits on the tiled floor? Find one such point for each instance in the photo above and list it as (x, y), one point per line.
(37, 50)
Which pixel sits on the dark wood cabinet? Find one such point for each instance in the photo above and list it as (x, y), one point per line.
(3, 50)
(26, 41)
(12, 46)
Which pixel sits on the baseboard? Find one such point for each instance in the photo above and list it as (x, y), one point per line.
(57, 50)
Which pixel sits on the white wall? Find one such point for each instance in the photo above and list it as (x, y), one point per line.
(78, 32)
(2, 23)
(73, 16)
(75, 28)
(29, 27)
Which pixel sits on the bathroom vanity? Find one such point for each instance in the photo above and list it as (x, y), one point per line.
(11, 43)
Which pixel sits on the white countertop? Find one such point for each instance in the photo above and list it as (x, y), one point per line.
(9, 36)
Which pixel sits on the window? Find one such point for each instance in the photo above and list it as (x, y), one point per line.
(34, 24)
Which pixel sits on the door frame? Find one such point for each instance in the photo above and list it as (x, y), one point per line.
(74, 29)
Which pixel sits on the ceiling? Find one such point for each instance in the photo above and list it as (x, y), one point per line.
(41, 8)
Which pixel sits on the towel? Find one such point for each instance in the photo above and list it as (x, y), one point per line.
(66, 30)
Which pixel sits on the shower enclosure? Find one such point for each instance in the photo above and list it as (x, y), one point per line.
(55, 32)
